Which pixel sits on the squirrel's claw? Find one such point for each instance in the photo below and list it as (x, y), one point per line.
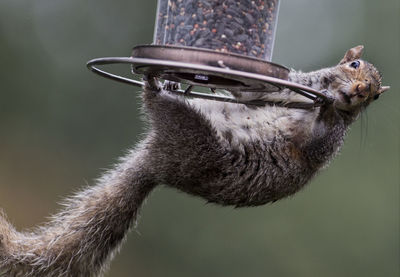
(171, 86)
(151, 83)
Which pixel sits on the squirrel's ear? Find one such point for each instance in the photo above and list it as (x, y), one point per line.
(380, 91)
(383, 89)
(352, 54)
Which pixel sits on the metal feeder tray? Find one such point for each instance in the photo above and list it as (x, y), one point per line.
(208, 68)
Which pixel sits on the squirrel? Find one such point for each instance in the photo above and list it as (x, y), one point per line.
(228, 154)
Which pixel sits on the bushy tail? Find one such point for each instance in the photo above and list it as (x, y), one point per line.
(82, 238)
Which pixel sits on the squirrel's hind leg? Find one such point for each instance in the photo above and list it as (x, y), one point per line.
(186, 151)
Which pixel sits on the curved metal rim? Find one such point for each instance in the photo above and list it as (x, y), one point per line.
(210, 57)
(308, 92)
(210, 51)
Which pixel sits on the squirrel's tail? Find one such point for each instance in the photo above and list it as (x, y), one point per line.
(82, 238)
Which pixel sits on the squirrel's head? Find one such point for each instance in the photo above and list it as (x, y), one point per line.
(355, 83)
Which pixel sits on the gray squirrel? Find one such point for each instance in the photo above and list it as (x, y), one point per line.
(228, 154)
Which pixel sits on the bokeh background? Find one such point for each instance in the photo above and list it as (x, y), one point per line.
(61, 126)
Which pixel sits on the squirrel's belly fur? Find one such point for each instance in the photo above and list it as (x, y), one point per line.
(250, 124)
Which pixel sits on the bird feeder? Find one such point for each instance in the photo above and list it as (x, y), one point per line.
(217, 44)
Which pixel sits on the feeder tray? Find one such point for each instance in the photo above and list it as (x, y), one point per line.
(208, 68)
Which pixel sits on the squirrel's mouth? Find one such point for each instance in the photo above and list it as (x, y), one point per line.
(345, 97)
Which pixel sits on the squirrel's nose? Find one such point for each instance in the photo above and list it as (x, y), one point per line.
(361, 87)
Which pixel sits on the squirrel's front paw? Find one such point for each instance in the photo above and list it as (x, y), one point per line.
(329, 97)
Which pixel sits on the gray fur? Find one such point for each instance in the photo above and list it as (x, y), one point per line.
(194, 146)
(191, 156)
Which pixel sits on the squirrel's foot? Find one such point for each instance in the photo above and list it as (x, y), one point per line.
(171, 86)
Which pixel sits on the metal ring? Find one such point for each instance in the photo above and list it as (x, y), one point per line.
(137, 63)
(91, 65)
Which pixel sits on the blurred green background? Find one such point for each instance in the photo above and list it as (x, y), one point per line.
(62, 125)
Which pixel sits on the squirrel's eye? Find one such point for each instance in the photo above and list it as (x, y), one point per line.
(355, 64)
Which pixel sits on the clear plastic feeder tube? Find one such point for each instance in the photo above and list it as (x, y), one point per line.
(244, 27)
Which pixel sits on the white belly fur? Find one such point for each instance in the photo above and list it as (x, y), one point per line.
(251, 124)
